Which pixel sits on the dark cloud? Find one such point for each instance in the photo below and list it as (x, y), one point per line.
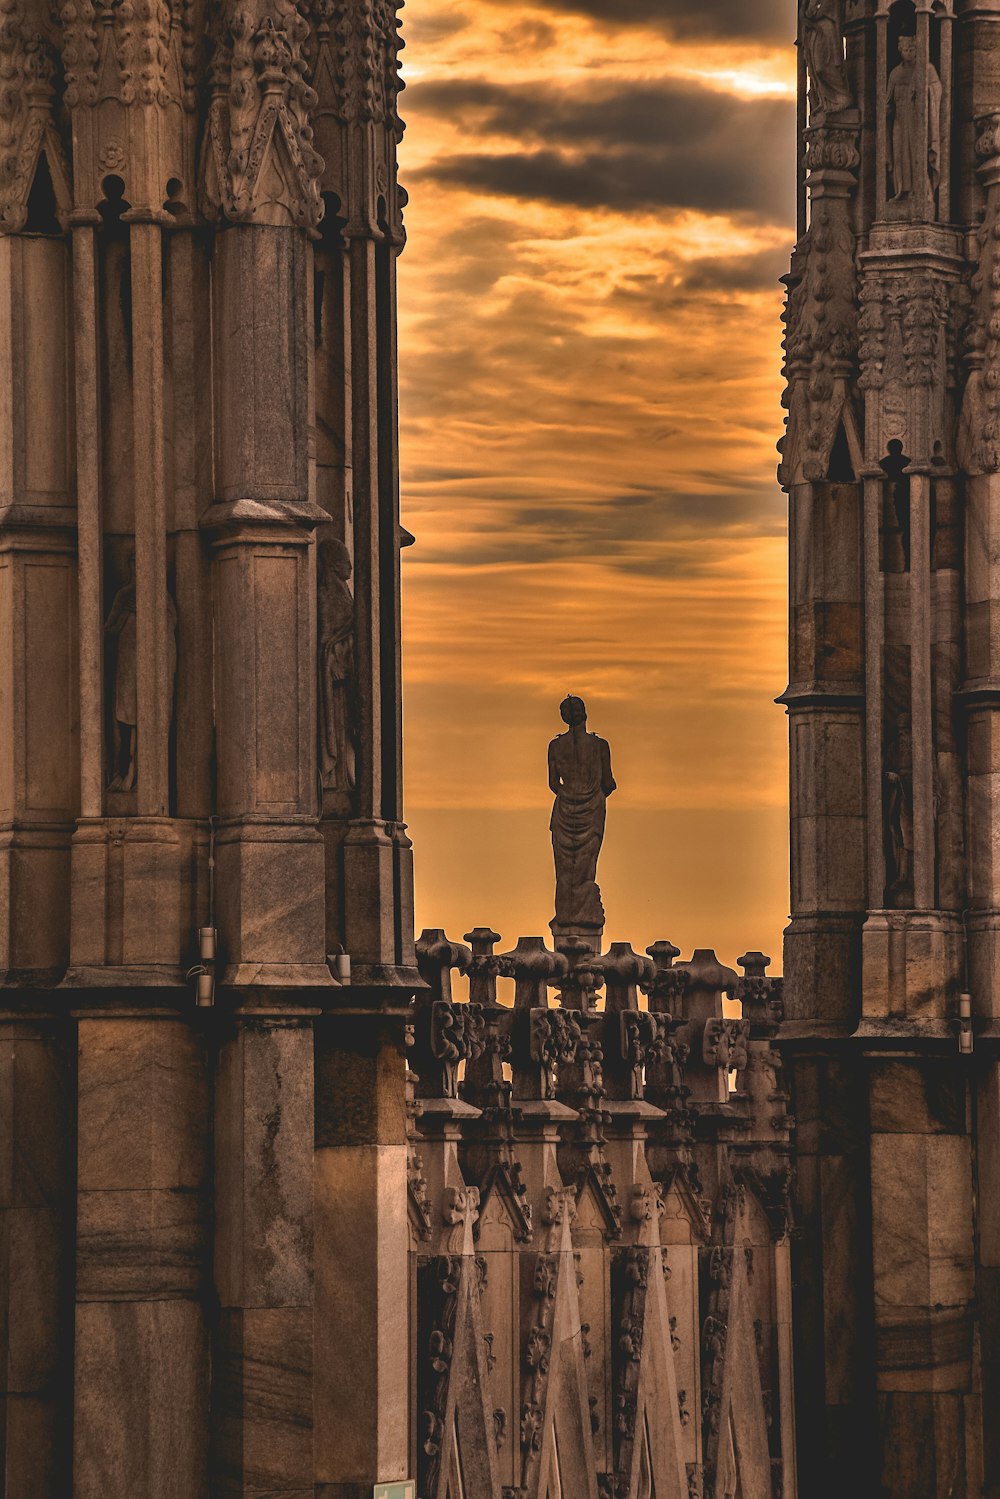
(727, 20)
(642, 530)
(653, 145)
(740, 273)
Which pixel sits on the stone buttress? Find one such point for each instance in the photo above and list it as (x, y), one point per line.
(891, 462)
(200, 751)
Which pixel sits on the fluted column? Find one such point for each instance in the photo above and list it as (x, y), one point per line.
(269, 884)
(825, 695)
(369, 881)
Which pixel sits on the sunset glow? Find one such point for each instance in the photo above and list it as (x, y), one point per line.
(589, 361)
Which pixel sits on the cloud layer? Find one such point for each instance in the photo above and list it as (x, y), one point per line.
(767, 20)
(589, 353)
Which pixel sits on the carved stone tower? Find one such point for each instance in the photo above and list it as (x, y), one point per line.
(200, 732)
(892, 465)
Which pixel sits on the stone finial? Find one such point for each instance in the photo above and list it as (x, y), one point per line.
(485, 965)
(584, 975)
(667, 982)
(706, 972)
(534, 968)
(437, 955)
(759, 995)
(624, 969)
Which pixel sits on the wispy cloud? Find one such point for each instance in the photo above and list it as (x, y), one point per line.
(589, 351)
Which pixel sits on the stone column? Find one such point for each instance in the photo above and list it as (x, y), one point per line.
(362, 1277)
(370, 882)
(825, 695)
(141, 1368)
(36, 1259)
(38, 778)
(269, 881)
(262, 1366)
(979, 696)
(39, 745)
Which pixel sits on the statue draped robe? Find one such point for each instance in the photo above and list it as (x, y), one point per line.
(580, 776)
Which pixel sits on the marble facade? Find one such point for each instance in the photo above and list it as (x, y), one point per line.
(290, 1205)
(890, 462)
(199, 557)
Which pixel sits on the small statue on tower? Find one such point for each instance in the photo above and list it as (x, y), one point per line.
(914, 141)
(581, 781)
(823, 44)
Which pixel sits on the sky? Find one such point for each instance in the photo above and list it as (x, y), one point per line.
(601, 203)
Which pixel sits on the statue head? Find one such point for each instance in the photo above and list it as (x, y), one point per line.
(573, 710)
(334, 557)
(908, 49)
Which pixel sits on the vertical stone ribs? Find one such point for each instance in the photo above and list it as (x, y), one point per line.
(200, 752)
(891, 703)
(599, 1225)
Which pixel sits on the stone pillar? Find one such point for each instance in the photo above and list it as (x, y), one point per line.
(262, 1365)
(362, 1275)
(141, 1366)
(825, 695)
(39, 750)
(979, 698)
(370, 881)
(264, 585)
(37, 1109)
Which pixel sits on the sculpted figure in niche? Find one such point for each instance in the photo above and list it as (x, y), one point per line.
(121, 622)
(581, 781)
(899, 819)
(914, 152)
(336, 666)
(823, 43)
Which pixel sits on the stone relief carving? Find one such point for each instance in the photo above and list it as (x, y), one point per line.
(823, 44)
(121, 624)
(365, 45)
(978, 441)
(26, 123)
(821, 322)
(914, 143)
(338, 728)
(140, 54)
(581, 781)
(258, 159)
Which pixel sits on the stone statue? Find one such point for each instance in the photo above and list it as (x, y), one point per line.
(580, 779)
(336, 666)
(122, 623)
(914, 154)
(823, 43)
(899, 819)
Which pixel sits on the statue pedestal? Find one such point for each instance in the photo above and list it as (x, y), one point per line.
(564, 934)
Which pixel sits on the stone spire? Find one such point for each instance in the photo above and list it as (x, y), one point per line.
(888, 464)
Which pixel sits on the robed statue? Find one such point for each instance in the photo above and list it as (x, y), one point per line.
(121, 624)
(915, 136)
(335, 608)
(823, 45)
(581, 781)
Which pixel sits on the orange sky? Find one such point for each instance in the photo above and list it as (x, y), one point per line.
(589, 365)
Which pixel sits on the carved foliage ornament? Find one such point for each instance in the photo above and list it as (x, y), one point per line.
(903, 329)
(821, 324)
(259, 162)
(27, 67)
(979, 428)
(139, 51)
(356, 44)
